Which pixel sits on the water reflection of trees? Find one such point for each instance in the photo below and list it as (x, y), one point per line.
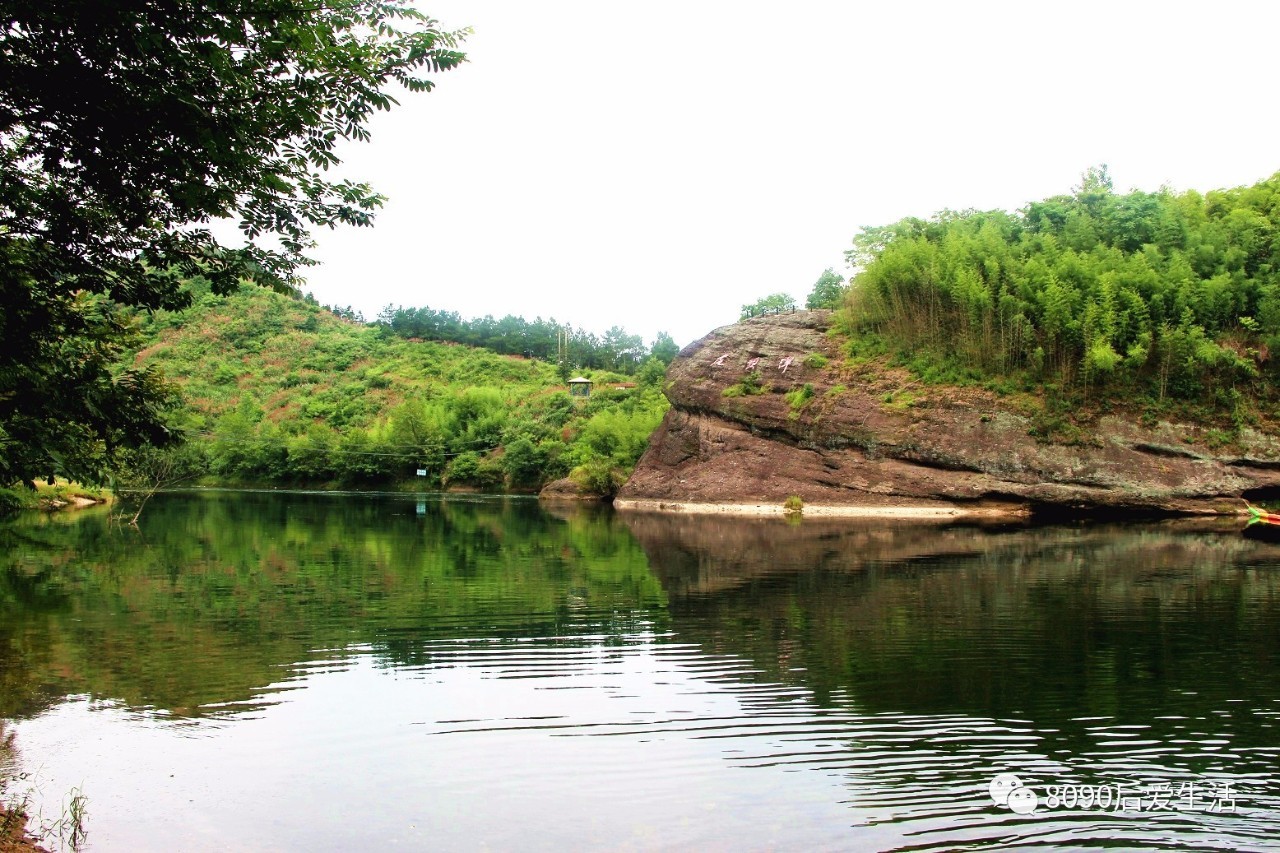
(1048, 624)
(218, 596)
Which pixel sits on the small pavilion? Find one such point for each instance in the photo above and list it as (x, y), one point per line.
(579, 387)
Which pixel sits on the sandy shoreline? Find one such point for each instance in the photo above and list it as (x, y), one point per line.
(939, 511)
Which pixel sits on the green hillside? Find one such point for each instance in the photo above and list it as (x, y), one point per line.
(279, 391)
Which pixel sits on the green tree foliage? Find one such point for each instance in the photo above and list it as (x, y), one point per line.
(125, 128)
(774, 303)
(828, 291)
(1175, 295)
(421, 430)
(619, 434)
(652, 372)
(622, 352)
(664, 348)
(67, 406)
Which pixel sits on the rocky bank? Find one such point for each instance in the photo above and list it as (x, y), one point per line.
(770, 408)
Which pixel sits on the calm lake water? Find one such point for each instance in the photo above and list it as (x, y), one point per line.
(340, 672)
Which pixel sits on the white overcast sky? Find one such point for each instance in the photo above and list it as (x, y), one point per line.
(657, 165)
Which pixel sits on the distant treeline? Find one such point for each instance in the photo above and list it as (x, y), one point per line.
(547, 340)
(1146, 295)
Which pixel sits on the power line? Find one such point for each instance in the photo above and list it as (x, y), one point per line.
(422, 449)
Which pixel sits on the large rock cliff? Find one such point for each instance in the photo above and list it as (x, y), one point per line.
(770, 408)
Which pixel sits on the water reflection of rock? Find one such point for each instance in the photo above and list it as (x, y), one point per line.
(1051, 623)
(695, 554)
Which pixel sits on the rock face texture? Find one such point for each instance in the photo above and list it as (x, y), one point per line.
(770, 408)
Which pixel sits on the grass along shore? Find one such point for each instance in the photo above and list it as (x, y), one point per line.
(60, 495)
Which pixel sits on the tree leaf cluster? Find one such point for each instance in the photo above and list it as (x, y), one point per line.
(774, 303)
(828, 291)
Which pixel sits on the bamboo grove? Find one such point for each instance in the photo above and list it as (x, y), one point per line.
(1169, 296)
